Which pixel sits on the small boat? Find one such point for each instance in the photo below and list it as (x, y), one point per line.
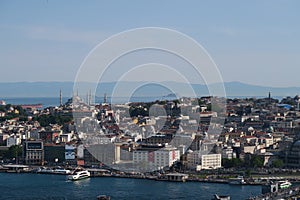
(79, 174)
(44, 170)
(217, 197)
(237, 181)
(62, 171)
(284, 184)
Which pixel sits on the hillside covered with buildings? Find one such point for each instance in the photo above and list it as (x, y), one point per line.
(161, 135)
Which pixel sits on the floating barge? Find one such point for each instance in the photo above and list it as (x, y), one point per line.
(176, 177)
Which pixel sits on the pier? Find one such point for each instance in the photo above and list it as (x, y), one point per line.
(292, 193)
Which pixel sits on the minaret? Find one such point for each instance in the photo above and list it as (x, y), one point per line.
(60, 98)
(269, 97)
(87, 98)
(90, 97)
(105, 98)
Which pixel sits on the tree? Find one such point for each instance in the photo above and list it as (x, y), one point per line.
(14, 151)
(248, 173)
(45, 120)
(226, 163)
(2, 109)
(234, 162)
(257, 161)
(278, 163)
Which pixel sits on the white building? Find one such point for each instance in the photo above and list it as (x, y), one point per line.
(99, 139)
(140, 156)
(228, 153)
(266, 141)
(13, 140)
(2, 114)
(67, 137)
(209, 161)
(165, 157)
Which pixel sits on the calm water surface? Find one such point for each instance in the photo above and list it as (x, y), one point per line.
(41, 186)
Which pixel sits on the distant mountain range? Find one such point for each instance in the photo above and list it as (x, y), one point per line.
(51, 89)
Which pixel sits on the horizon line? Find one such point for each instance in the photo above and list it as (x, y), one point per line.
(87, 82)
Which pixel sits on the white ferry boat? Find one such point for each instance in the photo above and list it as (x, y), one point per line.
(284, 184)
(237, 181)
(78, 175)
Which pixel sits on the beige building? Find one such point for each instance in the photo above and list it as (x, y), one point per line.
(209, 161)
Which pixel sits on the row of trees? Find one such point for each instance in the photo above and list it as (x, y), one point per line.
(254, 162)
(45, 120)
(14, 152)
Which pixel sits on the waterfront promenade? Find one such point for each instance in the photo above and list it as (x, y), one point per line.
(289, 193)
(257, 179)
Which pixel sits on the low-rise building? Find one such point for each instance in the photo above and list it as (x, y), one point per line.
(228, 153)
(210, 161)
(13, 140)
(33, 152)
(54, 154)
(197, 161)
(164, 157)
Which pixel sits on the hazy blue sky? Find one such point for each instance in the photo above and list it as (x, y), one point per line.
(255, 42)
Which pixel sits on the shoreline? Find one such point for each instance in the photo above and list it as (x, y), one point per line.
(154, 178)
(190, 177)
(287, 193)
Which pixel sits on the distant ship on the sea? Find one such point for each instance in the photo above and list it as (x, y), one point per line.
(32, 106)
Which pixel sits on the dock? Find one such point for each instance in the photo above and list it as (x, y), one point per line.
(292, 193)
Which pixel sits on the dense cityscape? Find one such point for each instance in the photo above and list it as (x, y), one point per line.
(150, 100)
(258, 137)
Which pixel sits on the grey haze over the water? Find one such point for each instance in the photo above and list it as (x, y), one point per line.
(51, 89)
